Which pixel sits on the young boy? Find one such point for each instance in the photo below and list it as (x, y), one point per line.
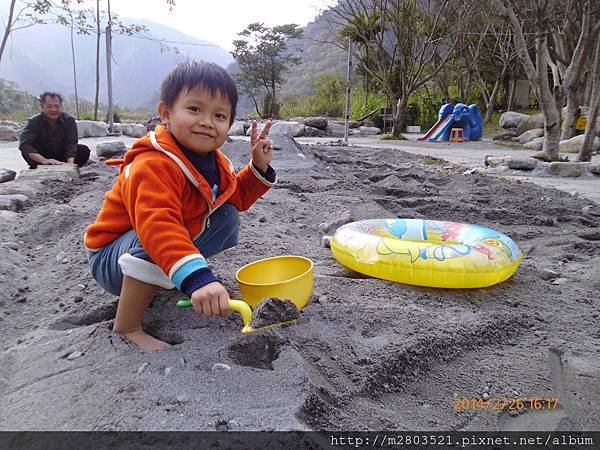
(176, 202)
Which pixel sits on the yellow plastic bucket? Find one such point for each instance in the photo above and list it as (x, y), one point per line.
(286, 277)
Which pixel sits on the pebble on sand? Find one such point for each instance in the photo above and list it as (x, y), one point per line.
(220, 367)
(183, 399)
(74, 355)
(142, 368)
(232, 425)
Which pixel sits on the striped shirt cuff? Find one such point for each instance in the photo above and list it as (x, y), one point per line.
(196, 280)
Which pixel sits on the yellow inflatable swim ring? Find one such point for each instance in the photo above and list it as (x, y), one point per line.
(427, 252)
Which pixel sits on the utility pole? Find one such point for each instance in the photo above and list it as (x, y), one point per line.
(108, 71)
(348, 89)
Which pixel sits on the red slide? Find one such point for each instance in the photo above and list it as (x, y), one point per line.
(439, 124)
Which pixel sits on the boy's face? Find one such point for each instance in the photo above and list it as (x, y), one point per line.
(198, 120)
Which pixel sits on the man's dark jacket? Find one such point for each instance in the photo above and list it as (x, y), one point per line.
(58, 143)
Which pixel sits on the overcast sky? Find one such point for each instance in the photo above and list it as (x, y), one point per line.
(219, 21)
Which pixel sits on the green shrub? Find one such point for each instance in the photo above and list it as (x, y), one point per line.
(428, 104)
(412, 114)
(328, 99)
(362, 103)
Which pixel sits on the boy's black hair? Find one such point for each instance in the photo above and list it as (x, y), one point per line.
(190, 75)
(42, 97)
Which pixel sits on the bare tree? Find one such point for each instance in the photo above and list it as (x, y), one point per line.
(591, 128)
(574, 34)
(406, 45)
(566, 70)
(27, 15)
(495, 61)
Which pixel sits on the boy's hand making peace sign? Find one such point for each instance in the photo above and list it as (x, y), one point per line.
(261, 146)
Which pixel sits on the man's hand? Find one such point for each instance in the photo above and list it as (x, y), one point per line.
(261, 146)
(212, 299)
(53, 162)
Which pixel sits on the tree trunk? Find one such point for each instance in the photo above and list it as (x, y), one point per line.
(8, 28)
(590, 128)
(399, 116)
(571, 114)
(548, 100)
(587, 96)
(253, 97)
(97, 60)
(492, 100)
(443, 86)
(512, 92)
(74, 67)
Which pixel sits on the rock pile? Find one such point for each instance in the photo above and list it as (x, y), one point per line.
(307, 127)
(529, 132)
(9, 130)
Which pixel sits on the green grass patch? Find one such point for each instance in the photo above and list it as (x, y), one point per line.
(429, 161)
(390, 137)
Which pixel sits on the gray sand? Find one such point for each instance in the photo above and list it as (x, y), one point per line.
(368, 355)
(271, 311)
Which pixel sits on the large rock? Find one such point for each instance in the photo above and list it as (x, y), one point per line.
(8, 134)
(565, 169)
(313, 132)
(62, 172)
(285, 143)
(238, 128)
(535, 144)
(335, 130)
(316, 122)
(111, 148)
(512, 119)
(7, 175)
(292, 129)
(369, 131)
(531, 123)
(595, 168)
(118, 128)
(136, 130)
(530, 135)
(10, 130)
(152, 123)
(494, 161)
(521, 163)
(575, 144)
(28, 187)
(507, 135)
(13, 202)
(259, 127)
(91, 128)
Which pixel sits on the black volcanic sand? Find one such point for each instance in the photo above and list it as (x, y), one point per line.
(271, 311)
(368, 354)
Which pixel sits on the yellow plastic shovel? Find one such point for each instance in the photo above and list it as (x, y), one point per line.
(243, 309)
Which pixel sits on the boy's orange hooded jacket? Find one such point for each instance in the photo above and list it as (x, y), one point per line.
(163, 197)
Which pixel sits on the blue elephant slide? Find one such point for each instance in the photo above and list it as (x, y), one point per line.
(456, 116)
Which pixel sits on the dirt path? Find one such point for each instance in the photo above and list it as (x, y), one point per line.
(367, 353)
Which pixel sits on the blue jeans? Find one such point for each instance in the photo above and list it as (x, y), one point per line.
(104, 264)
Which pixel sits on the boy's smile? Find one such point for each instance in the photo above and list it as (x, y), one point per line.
(198, 120)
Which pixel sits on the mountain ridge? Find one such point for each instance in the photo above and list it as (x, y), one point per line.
(140, 63)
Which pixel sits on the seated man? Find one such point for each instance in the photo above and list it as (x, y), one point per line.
(51, 137)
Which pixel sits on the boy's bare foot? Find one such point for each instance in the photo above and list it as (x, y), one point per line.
(145, 341)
